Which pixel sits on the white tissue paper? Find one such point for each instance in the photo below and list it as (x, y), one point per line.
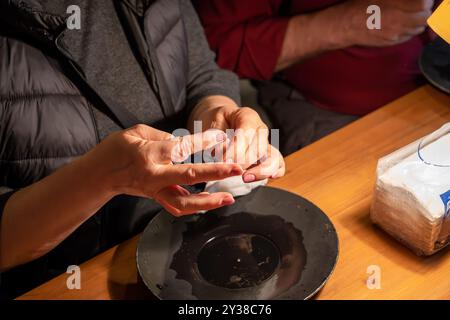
(412, 193)
(233, 185)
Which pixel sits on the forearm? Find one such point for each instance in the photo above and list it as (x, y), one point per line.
(308, 35)
(37, 218)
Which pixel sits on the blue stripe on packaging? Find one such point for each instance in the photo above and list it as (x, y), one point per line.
(446, 200)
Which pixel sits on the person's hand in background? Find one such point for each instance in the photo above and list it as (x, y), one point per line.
(401, 20)
(345, 24)
(249, 146)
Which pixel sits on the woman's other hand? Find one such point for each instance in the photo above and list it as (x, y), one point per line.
(249, 143)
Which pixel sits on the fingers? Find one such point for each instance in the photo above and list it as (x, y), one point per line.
(406, 26)
(251, 139)
(280, 172)
(178, 201)
(407, 20)
(247, 118)
(189, 174)
(237, 148)
(247, 150)
(247, 146)
(257, 150)
(272, 166)
(180, 148)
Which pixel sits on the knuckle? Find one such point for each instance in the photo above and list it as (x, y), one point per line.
(190, 176)
(121, 136)
(264, 126)
(168, 136)
(174, 212)
(163, 203)
(178, 154)
(248, 110)
(183, 204)
(185, 147)
(223, 171)
(180, 151)
(154, 171)
(139, 128)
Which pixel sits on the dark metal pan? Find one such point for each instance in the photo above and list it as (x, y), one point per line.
(270, 244)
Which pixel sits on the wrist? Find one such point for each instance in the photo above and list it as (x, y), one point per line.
(339, 31)
(320, 32)
(100, 175)
(349, 22)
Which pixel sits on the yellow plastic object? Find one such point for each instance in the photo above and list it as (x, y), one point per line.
(440, 20)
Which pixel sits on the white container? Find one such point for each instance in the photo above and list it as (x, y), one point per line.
(412, 193)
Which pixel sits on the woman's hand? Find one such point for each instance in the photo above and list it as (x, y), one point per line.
(140, 161)
(249, 145)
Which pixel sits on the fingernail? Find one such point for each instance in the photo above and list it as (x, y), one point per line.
(221, 137)
(228, 201)
(249, 178)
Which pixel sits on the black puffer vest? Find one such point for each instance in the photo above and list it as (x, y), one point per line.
(46, 117)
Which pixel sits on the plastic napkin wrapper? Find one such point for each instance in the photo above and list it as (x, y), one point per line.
(412, 193)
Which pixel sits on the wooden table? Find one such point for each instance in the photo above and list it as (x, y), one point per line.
(337, 173)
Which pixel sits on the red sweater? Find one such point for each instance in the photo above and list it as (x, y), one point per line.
(247, 36)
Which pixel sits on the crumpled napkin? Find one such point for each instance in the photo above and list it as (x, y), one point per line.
(234, 185)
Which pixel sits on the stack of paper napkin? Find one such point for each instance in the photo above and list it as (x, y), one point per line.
(412, 194)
